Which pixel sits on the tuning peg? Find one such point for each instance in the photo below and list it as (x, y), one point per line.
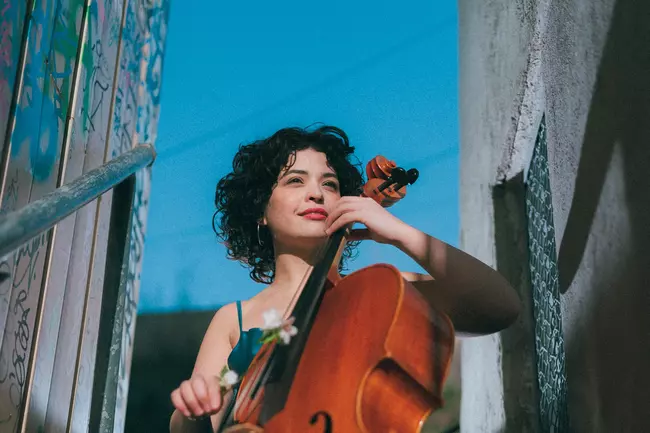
(412, 175)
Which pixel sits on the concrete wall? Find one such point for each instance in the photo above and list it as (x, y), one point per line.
(584, 64)
(598, 100)
(79, 85)
(495, 39)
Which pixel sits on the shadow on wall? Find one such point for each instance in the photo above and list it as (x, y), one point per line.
(518, 360)
(608, 356)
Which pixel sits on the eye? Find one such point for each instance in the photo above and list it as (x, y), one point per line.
(294, 180)
(332, 185)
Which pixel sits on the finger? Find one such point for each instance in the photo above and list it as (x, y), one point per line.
(214, 393)
(335, 213)
(341, 209)
(190, 400)
(179, 404)
(359, 235)
(345, 219)
(200, 389)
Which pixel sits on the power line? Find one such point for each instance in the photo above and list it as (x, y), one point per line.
(371, 61)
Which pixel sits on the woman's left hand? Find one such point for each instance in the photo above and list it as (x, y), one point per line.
(382, 226)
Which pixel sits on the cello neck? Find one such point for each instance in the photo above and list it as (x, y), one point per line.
(281, 369)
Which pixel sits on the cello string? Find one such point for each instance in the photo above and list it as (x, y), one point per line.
(319, 254)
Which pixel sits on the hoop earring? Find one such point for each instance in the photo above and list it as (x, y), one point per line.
(259, 240)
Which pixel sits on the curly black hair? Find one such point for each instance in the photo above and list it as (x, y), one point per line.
(242, 195)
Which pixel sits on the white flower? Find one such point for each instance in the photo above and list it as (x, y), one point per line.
(276, 329)
(229, 379)
(287, 333)
(272, 319)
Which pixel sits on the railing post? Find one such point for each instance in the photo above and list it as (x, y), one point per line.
(111, 322)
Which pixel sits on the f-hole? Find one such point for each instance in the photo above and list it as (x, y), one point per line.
(327, 419)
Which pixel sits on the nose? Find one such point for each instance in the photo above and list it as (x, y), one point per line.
(315, 193)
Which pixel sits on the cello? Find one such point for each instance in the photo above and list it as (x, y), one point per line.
(370, 354)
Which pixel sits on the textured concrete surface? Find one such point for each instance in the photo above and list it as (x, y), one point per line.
(494, 43)
(592, 63)
(518, 360)
(596, 74)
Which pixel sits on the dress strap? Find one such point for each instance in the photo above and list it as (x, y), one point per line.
(239, 314)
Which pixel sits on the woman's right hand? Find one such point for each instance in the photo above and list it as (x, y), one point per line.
(198, 396)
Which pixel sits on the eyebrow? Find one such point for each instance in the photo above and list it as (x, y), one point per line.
(327, 174)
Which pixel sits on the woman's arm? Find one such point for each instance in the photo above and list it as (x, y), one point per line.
(200, 394)
(477, 299)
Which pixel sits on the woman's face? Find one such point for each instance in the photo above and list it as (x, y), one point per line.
(301, 200)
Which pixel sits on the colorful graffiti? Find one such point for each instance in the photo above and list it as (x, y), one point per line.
(13, 366)
(98, 75)
(12, 17)
(47, 77)
(43, 124)
(76, 324)
(125, 112)
(142, 73)
(151, 71)
(36, 141)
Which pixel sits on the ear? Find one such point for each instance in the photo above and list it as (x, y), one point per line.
(262, 221)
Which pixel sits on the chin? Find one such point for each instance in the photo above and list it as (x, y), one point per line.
(316, 232)
(304, 240)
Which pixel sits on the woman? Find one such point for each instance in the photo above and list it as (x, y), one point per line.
(284, 197)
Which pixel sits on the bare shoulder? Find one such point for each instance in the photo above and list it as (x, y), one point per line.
(224, 322)
(217, 341)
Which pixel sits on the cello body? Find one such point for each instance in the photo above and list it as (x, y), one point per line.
(377, 359)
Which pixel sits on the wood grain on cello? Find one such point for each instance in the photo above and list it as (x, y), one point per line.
(371, 354)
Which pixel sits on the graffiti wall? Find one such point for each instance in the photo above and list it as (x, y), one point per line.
(79, 85)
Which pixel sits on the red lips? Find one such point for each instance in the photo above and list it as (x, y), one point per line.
(314, 210)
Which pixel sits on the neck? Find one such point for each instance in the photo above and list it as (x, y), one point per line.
(292, 268)
(291, 271)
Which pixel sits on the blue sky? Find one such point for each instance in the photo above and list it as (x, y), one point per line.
(385, 72)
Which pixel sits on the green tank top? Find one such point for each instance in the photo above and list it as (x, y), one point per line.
(246, 348)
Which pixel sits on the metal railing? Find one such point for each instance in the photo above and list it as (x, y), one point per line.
(20, 226)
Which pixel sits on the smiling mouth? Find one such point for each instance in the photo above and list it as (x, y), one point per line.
(314, 213)
(314, 216)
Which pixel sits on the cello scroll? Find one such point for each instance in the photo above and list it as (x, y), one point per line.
(386, 181)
